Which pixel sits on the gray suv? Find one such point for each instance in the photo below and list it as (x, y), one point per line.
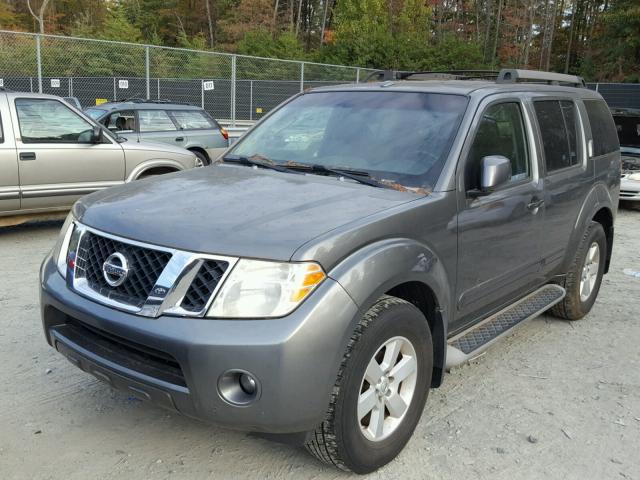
(185, 126)
(51, 154)
(356, 243)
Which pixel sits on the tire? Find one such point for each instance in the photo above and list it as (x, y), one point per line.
(577, 304)
(202, 157)
(342, 439)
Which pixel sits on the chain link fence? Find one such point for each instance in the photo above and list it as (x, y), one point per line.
(230, 87)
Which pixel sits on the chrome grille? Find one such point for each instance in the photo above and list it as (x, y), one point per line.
(145, 265)
(203, 285)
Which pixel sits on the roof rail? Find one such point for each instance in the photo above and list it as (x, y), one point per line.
(513, 75)
(385, 75)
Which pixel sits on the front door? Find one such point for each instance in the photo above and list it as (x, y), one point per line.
(57, 161)
(498, 232)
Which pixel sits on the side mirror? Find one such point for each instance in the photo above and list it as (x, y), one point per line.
(96, 134)
(495, 171)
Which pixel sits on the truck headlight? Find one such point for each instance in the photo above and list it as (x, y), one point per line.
(61, 248)
(259, 289)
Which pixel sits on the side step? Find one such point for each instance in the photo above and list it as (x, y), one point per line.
(473, 341)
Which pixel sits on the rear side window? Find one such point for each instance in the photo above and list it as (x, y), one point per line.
(155, 121)
(603, 130)
(558, 127)
(191, 119)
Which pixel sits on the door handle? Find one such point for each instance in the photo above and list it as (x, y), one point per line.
(533, 204)
(180, 139)
(27, 155)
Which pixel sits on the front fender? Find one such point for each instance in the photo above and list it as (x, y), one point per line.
(154, 163)
(372, 271)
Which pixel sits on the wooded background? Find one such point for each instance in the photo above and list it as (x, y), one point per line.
(598, 39)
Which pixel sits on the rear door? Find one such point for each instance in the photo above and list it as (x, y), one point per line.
(157, 126)
(567, 176)
(498, 233)
(56, 160)
(200, 129)
(9, 181)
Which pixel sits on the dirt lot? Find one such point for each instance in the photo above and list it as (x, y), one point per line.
(554, 400)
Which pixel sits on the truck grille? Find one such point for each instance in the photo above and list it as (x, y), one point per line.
(200, 290)
(145, 266)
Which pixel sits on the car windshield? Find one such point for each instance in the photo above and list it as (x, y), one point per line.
(94, 113)
(628, 127)
(403, 137)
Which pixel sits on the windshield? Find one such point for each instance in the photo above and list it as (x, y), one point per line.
(95, 113)
(402, 137)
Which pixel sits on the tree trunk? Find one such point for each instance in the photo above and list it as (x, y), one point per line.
(40, 16)
(324, 21)
(275, 15)
(495, 42)
(569, 42)
(527, 47)
(299, 17)
(210, 22)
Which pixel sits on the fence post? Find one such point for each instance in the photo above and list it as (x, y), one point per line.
(146, 66)
(70, 86)
(115, 95)
(250, 99)
(358, 75)
(233, 90)
(158, 88)
(302, 76)
(31, 84)
(39, 63)
(202, 93)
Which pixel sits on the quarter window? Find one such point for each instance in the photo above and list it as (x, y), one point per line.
(501, 132)
(603, 128)
(557, 120)
(191, 119)
(155, 121)
(50, 121)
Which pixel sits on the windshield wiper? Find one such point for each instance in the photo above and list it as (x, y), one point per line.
(257, 161)
(359, 176)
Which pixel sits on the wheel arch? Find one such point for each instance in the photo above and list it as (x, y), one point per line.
(199, 149)
(604, 217)
(406, 269)
(146, 168)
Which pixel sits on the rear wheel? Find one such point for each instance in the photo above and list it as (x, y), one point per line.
(380, 391)
(585, 275)
(202, 159)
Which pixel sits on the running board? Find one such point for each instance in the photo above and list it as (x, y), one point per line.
(471, 342)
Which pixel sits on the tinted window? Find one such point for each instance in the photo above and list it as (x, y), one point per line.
(49, 121)
(404, 137)
(191, 119)
(500, 132)
(155, 121)
(628, 131)
(603, 130)
(123, 121)
(558, 126)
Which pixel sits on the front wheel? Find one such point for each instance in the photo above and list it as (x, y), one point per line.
(380, 391)
(585, 275)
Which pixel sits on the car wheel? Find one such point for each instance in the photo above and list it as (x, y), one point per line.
(380, 390)
(585, 275)
(202, 159)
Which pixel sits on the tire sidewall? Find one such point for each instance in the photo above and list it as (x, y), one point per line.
(595, 234)
(361, 454)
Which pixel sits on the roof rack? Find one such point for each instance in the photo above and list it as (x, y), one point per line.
(508, 75)
(145, 100)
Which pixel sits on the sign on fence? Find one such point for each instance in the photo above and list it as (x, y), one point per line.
(100, 101)
(1, 82)
(208, 85)
(55, 83)
(123, 84)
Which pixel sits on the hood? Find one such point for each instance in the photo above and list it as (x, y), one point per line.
(233, 210)
(147, 146)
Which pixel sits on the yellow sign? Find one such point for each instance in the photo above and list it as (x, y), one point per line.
(100, 101)
(258, 110)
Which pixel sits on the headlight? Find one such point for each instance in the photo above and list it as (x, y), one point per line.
(634, 176)
(62, 245)
(258, 289)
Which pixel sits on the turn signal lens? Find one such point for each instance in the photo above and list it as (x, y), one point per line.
(224, 133)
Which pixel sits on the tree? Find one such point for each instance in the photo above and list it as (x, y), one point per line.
(40, 16)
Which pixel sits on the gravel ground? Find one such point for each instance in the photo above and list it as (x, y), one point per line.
(554, 400)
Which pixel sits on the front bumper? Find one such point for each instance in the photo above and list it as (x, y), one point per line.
(629, 190)
(175, 362)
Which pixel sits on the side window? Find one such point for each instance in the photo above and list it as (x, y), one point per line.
(603, 128)
(155, 121)
(121, 122)
(44, 120)
(191, 119)
(557, 120)
(501, 132)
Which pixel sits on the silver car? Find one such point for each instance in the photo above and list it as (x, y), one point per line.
(176, 124)
(51, 154)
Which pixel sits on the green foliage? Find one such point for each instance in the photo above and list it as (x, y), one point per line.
(262, 43)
